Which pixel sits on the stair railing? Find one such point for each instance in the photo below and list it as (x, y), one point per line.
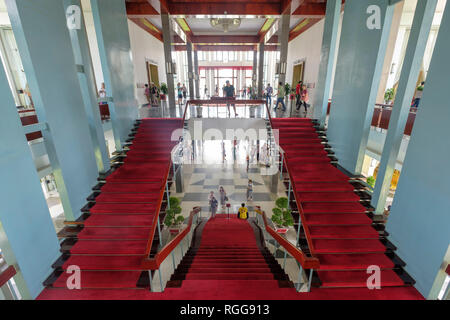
(276, 241)
(182, 239)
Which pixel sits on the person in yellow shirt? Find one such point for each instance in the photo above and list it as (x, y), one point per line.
(243, 212)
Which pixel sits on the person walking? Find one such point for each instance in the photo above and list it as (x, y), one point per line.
(280, 96)
(304, 98)
(223, 197)
(243, 212)
(269, 92)
(250, 190)
(298, 95)
(213, 204)
(184, 90)
(147, 94)
(418, 95)
(206, 92)
(248, 161)
(230, 94)
(154, 93)
(180, 93)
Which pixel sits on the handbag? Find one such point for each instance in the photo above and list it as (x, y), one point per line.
(226, 199)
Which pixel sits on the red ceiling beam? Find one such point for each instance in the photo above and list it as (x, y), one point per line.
(227, 47)
(218, 8)
(225, 39)
(143, 25)
(311, 10)
(311, 22)
(141, 8)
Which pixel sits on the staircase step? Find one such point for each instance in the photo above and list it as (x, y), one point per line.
(100, 233)
(337, 219)
(102, 279)
(354, 261)
(343, 232)
(105, 247)
(347, 246)
(123, 208)
(357, 278)
(226, 269)
(230, 276)
(324, 187)
(333, 207)
(117, 220)
(128, 198)
(307, 197)
(105, 263)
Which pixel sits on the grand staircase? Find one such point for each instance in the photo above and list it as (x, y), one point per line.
(117, 228)
(338, 226)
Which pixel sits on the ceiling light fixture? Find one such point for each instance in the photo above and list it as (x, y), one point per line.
(225, 24)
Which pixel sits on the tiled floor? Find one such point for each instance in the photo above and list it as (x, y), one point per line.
(210, 172)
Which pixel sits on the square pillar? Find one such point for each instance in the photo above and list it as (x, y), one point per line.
(27, 235)
(113, 38)
(412, 63)
(86, 78)
(261, 70)
(197, 74)
(254, 72)
(44, 43)
(167, 42)
(419, 219)
(190, 69)
(327, 54)
(283, 39)
(365, 33)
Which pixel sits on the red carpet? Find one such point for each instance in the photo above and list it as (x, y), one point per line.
(340, 234)
(110, 248)
(228, 265)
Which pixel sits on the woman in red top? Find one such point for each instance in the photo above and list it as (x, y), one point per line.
(298, 90)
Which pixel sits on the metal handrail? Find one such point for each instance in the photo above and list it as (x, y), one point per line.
(155, 262)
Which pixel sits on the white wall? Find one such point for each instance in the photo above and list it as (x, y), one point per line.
(307, 47)
(144, 48)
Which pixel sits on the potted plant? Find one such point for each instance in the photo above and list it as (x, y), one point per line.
(174, 218)
(389, 95)
(282, 217)
(164, 91)
(371, 181)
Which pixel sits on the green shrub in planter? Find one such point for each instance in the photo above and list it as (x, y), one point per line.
(174, 218)
(282, 216)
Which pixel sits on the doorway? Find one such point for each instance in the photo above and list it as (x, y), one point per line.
(152, 73)
(299, 70)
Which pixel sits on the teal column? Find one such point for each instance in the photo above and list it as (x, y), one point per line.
(283, 38)
(197, 74)
(190, 69)
(417, 42)
(364, 37)
(111, 27)
(86, 78)
(43, 39)
(419, 219)
(27, 236)
(327, 54)
(167, 42)
(261, 70)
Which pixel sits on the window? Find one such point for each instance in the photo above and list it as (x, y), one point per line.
(201, 56)
(225, 56)
(249, 55)
(219, 56)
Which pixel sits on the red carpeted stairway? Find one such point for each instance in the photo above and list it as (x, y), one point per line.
(337, 224)
(228, 255)
(111, 238)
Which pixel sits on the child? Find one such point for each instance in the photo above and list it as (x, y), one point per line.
(213, 204)
(250, 190)
(243, 212)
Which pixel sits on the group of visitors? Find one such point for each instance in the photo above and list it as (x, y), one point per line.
(181, 93)
(301, 93)
(214, 203)
(151, 93)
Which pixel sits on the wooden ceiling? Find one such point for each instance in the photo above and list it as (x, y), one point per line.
(306, 12)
